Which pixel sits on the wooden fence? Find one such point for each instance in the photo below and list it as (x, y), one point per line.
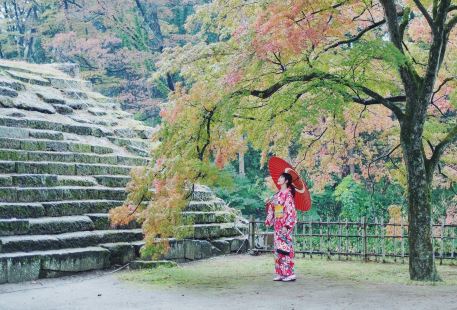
(376, 240)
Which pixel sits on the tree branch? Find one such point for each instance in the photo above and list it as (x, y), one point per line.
(376, 101)
(309, 145)
(427, 16)
(431, 163)
(356, 37)
(377, 98)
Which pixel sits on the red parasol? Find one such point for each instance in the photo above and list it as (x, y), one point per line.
(302, 198)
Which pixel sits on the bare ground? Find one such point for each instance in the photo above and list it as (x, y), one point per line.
(122, 290)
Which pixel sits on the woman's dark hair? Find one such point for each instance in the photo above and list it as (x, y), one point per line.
(288, 178)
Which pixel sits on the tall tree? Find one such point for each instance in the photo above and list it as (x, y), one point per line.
(356, 85)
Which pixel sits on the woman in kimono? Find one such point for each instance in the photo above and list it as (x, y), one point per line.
(281, 214)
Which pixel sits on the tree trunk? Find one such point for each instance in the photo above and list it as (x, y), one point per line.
(421, 260)
(241, 171)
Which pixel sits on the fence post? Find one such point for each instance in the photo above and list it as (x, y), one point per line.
(364, 234)
(311, 246)
(304, 236)
(328, 238)
(376, 241)
(252, 232)
(339, 238)
(402, 241)
(347, 240)
(383, 244)
(320, 237)
(453, 241)
(395, 240)
(433, 238)
(442, 240)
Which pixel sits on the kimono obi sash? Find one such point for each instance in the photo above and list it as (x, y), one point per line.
(279, 211)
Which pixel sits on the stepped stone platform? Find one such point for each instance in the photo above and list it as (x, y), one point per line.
(65, 157)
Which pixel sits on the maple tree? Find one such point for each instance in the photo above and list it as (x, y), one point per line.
(355, 87)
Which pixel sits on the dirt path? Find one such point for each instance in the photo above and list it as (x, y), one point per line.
(103, 290)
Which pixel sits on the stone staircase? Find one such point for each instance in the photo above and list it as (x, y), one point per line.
(65, 157)
(55, 193)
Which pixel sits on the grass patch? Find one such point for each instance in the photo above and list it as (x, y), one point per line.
(239, 270)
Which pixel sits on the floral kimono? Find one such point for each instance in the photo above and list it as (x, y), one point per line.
(281, 213)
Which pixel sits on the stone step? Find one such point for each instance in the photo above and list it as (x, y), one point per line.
(212, 231)
(12, 227)
(193, 249)
(30, 78)
(29, 243)
(38, 194)
(206, 206)
(59, 225)
(112, 180)
(72, 180)
(28, 266)
(198, 217)
(26, 133)
(42, 167)
(79, 129)
(141, 144)
(45, 225)
(137, 151)
(101, 222)
(85, 158)
(203, 193)
(26, 210)
(52, 145)
(45, 180)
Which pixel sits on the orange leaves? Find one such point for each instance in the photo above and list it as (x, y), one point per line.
(123, 215)
(288, 30)
(226, 146)
(296, 26)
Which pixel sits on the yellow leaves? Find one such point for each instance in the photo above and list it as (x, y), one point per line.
(396, 218)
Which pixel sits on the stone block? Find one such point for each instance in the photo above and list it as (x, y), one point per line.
(21, 210)
(58, 225)
(31, 145)
(8, 194)
(34, 180)
(60, 262)
(15, 155)
(10, 143)
(7, 167)
(222, 245)
(19, 267)
(6, 180)
(8, 92)
(120, 253)
(11, 227)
